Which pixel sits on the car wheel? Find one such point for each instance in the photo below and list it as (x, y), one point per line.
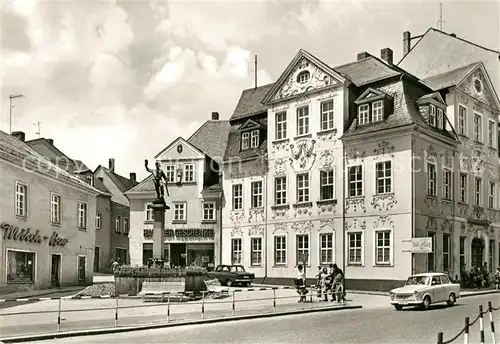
(229, 283)
(427, 303)
(398, 307)
(451, 300)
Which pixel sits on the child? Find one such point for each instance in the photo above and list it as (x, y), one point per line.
(300, 283)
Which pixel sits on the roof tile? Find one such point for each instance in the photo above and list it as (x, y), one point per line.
(250, 102)
(211, 139)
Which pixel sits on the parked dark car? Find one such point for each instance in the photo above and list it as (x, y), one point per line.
(232, 274)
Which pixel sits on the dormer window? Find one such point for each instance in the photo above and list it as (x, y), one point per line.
(377, 110)
(373, 105)
(363, 114)
(254, 142)
(436, 117)
(432, 116)
(245, 140)
(440, 118)
(303, 77)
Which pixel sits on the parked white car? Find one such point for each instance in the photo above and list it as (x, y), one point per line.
(422, 290)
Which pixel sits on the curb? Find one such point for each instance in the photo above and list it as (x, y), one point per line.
(481, 293)
(68, 334)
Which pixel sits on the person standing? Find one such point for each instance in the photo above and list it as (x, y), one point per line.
(300, 283)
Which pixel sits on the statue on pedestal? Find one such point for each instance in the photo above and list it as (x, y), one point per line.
(159, 179)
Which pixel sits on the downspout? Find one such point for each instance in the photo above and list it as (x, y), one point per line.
(221, 197)
(413, 139)
(343, 213)
(265, 229)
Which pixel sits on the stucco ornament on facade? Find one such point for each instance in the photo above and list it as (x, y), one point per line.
(302, 227)
(303, 210)
(256, 231)
(354, 154)
(326, 208)
(446, 207)
(384, 149)
(463, 210)
(355, 224)
(431, 152)
(355, 205)
(432, 206)
(256, 215)
(327, 225)
(317, 80)
(326, 159)
(279, 146)
(237, 216)
(478, 213)
(446, 226)
(302, 155)
(383, 222)
(383, 202)
(279, 212)
(280, 227)
(329, 136)
(236, 232)
(431, 224)
(280, 167)
(485, 95)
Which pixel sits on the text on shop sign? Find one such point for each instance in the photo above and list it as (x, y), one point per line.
(12, 232)
(192, 232)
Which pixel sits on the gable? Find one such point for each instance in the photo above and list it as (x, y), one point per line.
(179, 149)
(288, 86)
(370, 94)
(249, 125)
(478, 78)
(52, 153)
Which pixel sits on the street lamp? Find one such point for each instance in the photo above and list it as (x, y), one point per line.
(12, 96)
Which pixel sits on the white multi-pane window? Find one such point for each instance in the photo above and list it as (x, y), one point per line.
(245, 140)
(478, 130)
(478, 184)
(55, 208)
(237, 196)
(462, 120)
(208, 211)
(303, 77)
(355, 248)
(303, 120)
(254, 140)
(492, 195)
(326, 248)
(236, 250)
(21, 199)
(117, 224)
(98, 221)
(170, 173)
(256, 252)
(327, 115)
(463, 188)
(440, 119)
(302, 248)
(256, 188)
(431, 179)
(326, 185)
(82, 215)
(180, 211)
(189, 173)
(281, 125)
(363, 114)
(383, 247)
(432, 116)
(355, 181)
(384, 177)
(280, 250)
(280, 191)
(491, 133)
(447, 182)
(149, 212)
(125, 225)
(303, 187)
(377, 111)
(446, 251)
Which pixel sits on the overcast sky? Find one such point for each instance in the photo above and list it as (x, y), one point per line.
(123, 79)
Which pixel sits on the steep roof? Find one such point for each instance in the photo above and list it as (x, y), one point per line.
(211, 138)
(14, 149)
(121, 182)
(367, 70)
(450, 78)
(101, 187)
(233, 141)
(146, 185)
(250, 102)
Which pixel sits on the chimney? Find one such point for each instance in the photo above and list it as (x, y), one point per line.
(50, 141)
(133, 176)
(386, 55)
(20, 135)
(111, 164)
(363, 55)
(215, 116)
(406, 42)
(453, 35)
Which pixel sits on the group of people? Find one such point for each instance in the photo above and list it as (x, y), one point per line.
(329, 282)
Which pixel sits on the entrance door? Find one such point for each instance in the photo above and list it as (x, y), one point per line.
(82, 267)
(55, 277)
(178, 254)
(96, 259)
(477, 248)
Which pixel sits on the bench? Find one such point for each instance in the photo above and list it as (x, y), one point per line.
(214, 286)
(154, 291)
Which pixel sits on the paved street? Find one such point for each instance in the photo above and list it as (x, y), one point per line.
(378, 324)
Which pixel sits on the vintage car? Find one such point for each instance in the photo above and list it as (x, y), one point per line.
(232, 274)
(422, 290)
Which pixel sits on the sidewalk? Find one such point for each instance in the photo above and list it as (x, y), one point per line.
(54, 292)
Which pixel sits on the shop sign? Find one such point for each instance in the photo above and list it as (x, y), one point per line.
(12, 232)
(183, 233)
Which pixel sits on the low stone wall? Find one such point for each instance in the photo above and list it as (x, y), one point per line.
(129, 280)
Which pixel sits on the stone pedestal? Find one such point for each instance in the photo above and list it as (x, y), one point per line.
(159, 208)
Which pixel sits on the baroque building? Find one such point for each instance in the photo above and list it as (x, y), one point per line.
(192, 225)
